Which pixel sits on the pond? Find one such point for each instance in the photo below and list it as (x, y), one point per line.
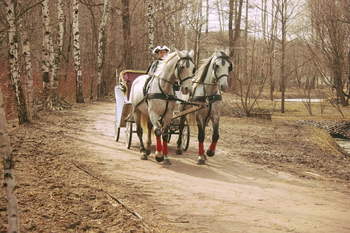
(301, 100)
(345, 144)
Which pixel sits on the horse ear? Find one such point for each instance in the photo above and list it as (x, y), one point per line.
(191, 53)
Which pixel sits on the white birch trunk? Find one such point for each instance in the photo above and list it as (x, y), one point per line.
(46, 46)
(172, 22)
(198, 31)
(13, 60)
(150, 23)
(26, 50)
(61, 20)
(76, 53)
(101, 45)
(9, 179)
(185, 23)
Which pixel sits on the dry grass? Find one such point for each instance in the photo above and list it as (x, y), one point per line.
(325, 142)
(293, 110)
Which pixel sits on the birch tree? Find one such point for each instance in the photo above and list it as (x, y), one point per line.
(57, 48)
(102, 45)
(26, 52)
(150, 23)
(198, 29)
(8, 163)
(170, 22)
(76, 53)
(13, 60)
(47, 49)
(61, 21)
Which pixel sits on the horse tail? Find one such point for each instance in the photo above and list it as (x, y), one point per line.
(144, 123)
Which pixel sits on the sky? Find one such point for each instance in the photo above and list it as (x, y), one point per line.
(254, 12)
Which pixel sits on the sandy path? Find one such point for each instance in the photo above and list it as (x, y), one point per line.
(228, 195)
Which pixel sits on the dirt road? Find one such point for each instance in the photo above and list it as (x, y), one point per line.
(227, 195)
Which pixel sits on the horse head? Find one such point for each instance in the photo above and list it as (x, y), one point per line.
(184, 70)
(221, 67)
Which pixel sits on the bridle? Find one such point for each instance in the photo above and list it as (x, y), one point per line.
(179, 68)
(224, 58)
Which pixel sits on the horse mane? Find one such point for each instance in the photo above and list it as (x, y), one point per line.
(163, 62)
(203, 69)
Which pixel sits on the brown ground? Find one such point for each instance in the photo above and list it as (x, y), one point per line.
(72, 177)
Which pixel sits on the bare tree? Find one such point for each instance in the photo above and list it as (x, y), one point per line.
(13, 60)
(126, 35)
(282, 7)
(150, 23)
(207, 16)
(61, 21)
(76, 53)
(235, 18)
(252, 81)
(27, 54)
(8, 163)
(102, 45)
(331, 38)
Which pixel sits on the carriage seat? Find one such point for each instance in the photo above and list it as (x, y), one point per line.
(126, 78)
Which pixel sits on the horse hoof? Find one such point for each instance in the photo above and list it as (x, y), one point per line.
(147, 152)
(144, 157)
(201, 162)
(178, 151)
(210, 153)
(166, 162)
(160, 159)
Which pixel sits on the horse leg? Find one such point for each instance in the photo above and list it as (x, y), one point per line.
(215, 138)
(159, 155)
(201, 136)
(149, 138)
(179, 140)
(137, 118)
(158, 132)
(165, 146)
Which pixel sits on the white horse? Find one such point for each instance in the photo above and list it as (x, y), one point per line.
(210, 79)
(154, 102)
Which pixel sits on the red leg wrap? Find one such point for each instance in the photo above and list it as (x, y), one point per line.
(212, 146)
(201, 148)
(165, 148)
(159, 144)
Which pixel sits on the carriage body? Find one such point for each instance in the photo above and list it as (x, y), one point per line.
(123, 106)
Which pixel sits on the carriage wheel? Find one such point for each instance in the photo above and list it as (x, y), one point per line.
(185, 136)
(128, 134)
(116, 134)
